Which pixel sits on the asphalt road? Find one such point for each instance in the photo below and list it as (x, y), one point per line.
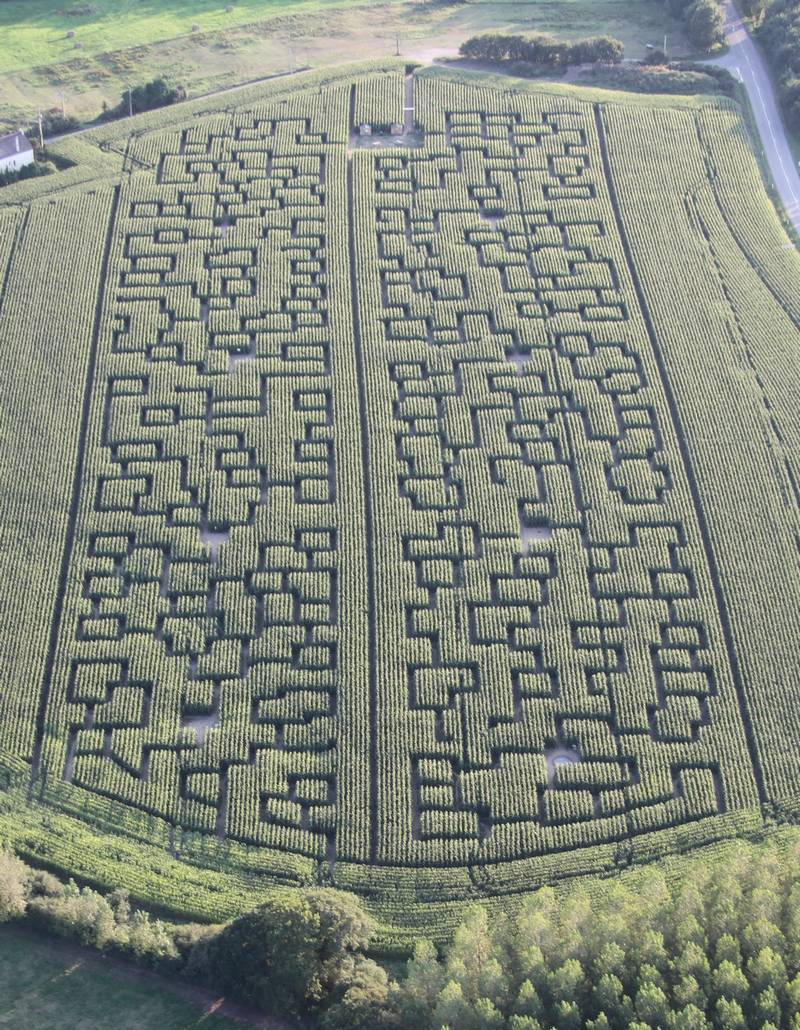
(744, 60)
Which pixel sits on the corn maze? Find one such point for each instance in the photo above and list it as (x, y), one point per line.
(389, 549)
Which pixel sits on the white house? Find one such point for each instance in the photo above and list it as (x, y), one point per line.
(15, 152)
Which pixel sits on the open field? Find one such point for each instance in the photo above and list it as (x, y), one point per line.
(415, 513)
(39, 67)
(37, 31)
(51, 985)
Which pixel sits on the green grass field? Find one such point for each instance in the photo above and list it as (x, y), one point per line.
(51, 985)
(413, 512)
(35, 31)
(123, 41)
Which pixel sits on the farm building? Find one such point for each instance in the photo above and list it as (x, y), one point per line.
(15, 152)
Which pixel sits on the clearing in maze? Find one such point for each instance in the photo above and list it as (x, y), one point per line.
(388, 545)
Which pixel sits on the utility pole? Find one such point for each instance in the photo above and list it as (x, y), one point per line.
(397, 46)
(41, 132)
(61, 98)
(130, 99)
(665, 44)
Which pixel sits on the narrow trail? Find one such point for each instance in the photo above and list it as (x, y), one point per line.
(369, 516)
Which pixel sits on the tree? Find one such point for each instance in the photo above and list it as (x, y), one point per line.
(568, 983)
(147, 97)
(767, 1008)
(729, 982)
(767, 969)
(705, 21)
(652, 1006)
(567, 1015)
(752, 8)
(366, 1001)
(609, 996)
(690, 1017)
(425, 977)
(528, 1002)
(453, 1009)
(729, 1015)
(693, 962)
(687, 991)
(678, 8)
(292, 953)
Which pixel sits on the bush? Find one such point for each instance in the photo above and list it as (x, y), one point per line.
(54, 123)
(672, 79)
(31, 171)
(291, 954)
(81, 914)
(595, 49)
(154, 94)
(13, 881)
(42, 884)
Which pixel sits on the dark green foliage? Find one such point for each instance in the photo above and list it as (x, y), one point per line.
(705, 21)
(540, 51)
(54, 123)
(595, 49)
(147, 97)
(752, 8)
(780, 36)
(31, 171)
(294, 952)
(720, 948)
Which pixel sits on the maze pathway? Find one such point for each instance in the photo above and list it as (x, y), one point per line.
(385, 549)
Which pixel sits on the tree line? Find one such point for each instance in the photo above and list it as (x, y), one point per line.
(541, 50)
(779, 34)
(719, 947)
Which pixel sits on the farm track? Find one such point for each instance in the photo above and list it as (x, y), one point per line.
(369, 519)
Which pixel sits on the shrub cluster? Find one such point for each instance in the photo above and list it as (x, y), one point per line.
(683, 77)
(147, 97)
(31, 171)
(107, 922)
(780, 36)
(540, 50)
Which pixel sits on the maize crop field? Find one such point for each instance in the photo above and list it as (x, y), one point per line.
(418, 514)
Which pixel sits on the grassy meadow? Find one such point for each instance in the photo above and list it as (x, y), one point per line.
(52, 985)
(123, 41)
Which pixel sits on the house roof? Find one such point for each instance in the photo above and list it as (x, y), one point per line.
(9, 147)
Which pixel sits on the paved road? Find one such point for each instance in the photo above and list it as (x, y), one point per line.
(744, 60)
